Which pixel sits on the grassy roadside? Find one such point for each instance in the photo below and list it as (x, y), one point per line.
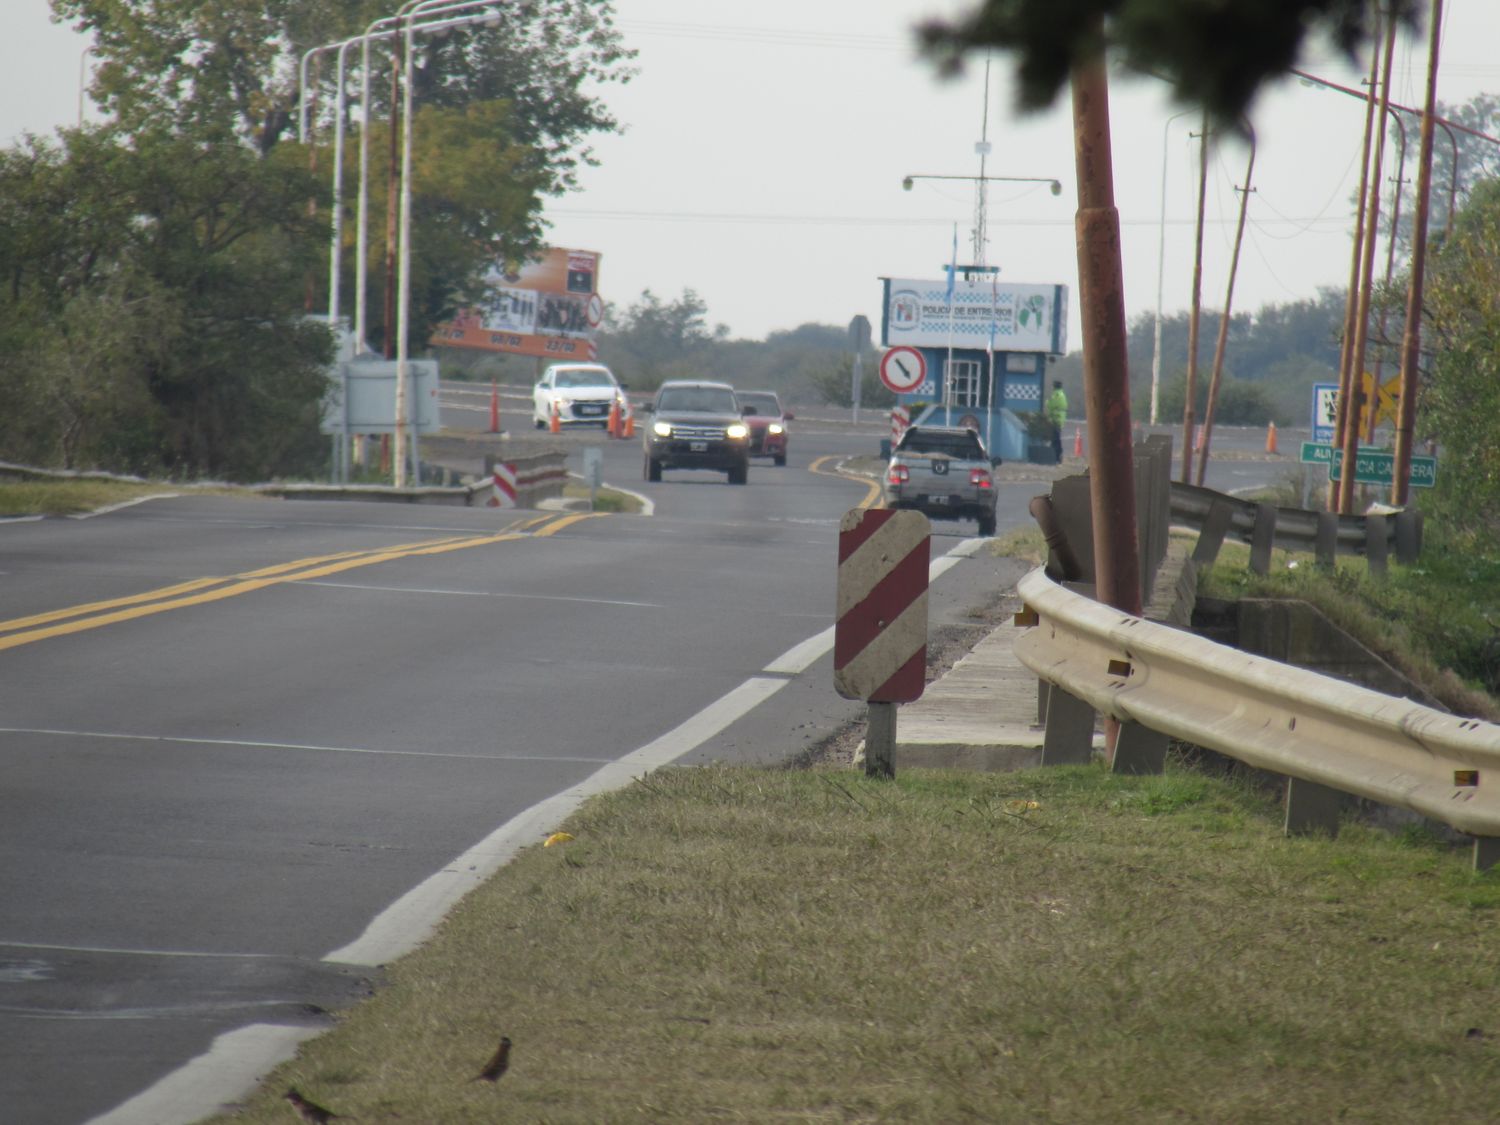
(1065, 945)
(70, 497)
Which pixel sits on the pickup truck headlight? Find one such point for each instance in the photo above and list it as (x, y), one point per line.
(737, 431)
(662, 429)
(774, 428)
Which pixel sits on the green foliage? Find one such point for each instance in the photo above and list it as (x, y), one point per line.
(1437, 620)
(656, 340)
(1240, 403)
(834, 382)
(171, 341)
(1181, 41)
(1461, 401)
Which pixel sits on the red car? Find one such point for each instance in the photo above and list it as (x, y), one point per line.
(767, 421)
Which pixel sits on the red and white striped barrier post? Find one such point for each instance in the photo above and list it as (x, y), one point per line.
(900, 420)
(505, 486)
(880, 630)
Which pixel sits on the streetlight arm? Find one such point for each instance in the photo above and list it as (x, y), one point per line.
(907, 182)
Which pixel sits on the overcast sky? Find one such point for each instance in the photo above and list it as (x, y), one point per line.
(766, 144)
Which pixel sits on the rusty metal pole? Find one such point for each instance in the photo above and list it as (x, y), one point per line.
(1350, 444)
(1191, 388)
(1347, 383)
(1390, 264)
(1223, 340)
(1406, 420)
(1106, 386)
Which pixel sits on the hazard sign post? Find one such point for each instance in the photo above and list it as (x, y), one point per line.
(880, 631)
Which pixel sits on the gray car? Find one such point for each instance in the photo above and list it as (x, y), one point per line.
(945, 472)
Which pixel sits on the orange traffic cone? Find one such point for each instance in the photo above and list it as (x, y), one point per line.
(612, 427)
(1077, 441)
(627, 429)
(1271, 439)
(555, 425)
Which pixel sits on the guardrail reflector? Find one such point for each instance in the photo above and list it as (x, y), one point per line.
(1465, 777)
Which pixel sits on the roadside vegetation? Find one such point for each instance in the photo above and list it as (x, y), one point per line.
(72, 497)
(720, 944)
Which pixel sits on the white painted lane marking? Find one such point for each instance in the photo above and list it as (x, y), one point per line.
(799, 658)
(236, 1061)
(112, 952)
(254, 745)
(408, 921)
(104, 511)
(478, 594)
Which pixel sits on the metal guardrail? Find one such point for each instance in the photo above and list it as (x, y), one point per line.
(1328, 737)
(1265, 527)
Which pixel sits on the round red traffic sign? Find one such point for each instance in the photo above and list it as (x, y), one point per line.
(903, 369)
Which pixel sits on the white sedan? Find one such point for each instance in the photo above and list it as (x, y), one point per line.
(580, 392)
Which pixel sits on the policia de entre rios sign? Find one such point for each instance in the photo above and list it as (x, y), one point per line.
(1371, 466)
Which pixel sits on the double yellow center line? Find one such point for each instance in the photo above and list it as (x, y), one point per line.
(199, 591)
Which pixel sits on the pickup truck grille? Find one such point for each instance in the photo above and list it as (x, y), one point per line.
(697, 433)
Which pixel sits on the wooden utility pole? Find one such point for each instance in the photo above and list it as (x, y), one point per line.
(1349, 442)
(1101, 289)
(1406, 421)
(1223, 340)
(1197, 309)
(1348, 384)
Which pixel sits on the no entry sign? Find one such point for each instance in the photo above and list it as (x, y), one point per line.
(880, 634)
(903, 369)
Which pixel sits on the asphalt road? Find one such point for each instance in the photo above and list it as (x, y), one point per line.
(251, 746)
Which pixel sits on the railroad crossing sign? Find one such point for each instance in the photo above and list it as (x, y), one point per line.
(880, 630)
(1371, 466)
(903, 369)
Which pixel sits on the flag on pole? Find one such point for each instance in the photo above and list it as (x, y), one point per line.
(953, 267)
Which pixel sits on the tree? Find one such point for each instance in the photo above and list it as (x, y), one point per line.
(655, 340)
(834, 381)
(151, 315)
(1461, 400)
(1182, 41)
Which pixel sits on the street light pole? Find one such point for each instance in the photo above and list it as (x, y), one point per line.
(1161, 252)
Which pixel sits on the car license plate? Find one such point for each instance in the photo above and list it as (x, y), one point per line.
(698, 446)
(591, 410)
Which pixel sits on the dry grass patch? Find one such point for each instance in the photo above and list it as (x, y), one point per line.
(755, 945)
(69, 497)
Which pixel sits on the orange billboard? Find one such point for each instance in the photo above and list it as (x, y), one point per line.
(548, 307)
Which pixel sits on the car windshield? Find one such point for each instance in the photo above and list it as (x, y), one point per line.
(698, 400)
(765, 405)
(965, 445)
(585, 378)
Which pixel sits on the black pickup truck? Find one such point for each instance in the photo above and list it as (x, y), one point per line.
(697, 425)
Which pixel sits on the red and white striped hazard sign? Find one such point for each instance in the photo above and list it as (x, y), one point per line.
(880, 635)
(900, 419)
(505, 487)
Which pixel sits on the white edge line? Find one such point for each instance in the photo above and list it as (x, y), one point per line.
(799, 658)
(104, 511)
(239, 1058)
(236, 1061)
(408, 921)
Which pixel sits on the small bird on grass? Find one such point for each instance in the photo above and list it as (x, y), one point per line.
(497, 1064)
(310, 1111)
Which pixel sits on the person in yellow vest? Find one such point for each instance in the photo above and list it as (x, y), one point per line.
(1057, 414)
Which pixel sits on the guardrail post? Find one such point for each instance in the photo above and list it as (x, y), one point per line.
(1211, 538)
(1140, 750)
(1043, 691)
(1408, 536)
(1263, 538)
(1311, 808)
(1486, 852)
(880, 741)
(1328, 539)
(1377, 545)
(1069, 739)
